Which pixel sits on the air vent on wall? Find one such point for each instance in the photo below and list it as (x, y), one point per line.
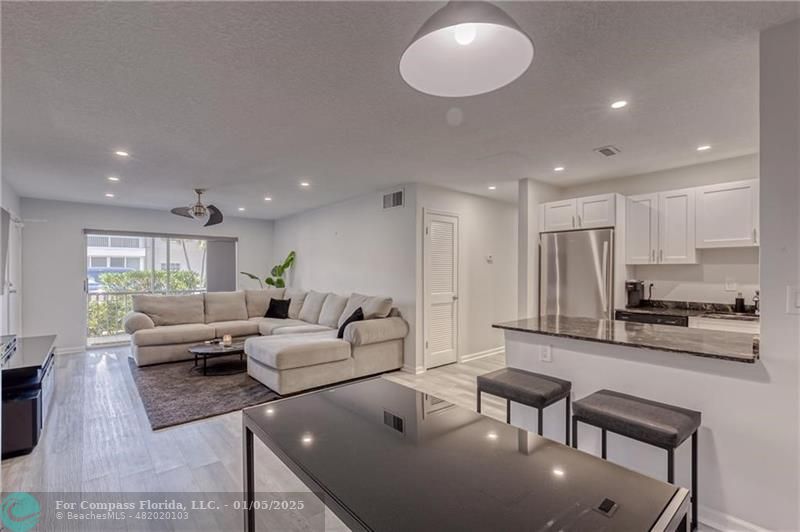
(608, 151)
(394, 199)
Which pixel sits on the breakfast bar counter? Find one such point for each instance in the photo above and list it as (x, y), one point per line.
(732, 346)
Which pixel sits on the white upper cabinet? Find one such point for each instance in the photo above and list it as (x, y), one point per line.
(676, 227)
(558, 215)
(727, 215)
(641, 229)
(596, 211)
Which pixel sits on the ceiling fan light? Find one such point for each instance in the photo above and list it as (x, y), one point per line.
(465, 49)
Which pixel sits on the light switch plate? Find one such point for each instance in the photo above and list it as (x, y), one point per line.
(731, 285)
(546, 353)
(793, 299)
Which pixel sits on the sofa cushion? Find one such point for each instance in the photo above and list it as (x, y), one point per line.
(301, 329)
(267, 326)
(297, 351)
(258, 300)
(173, 334)
(297, 296)
(234, 328)
(332, 310)
(312, 306)
(225, 306)
(376, 331)
(373, 307)
(133, 321)
(171, 310)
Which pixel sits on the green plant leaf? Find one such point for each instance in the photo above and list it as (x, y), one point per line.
(279, 283)
(270, 281)
(289, 260)
(250, 275)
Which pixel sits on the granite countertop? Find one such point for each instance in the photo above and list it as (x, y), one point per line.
(692, 309)
(733, 346)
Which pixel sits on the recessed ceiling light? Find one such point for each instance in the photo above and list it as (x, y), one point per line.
(704, 147)
(113, 178)
(122, 153)
(268, 198)
(558, 169)
(619, 104)
(305, 184)
(492, 187)
(307, 439)
(558, 472)
(492, 435)
(109, 195)
(241, 209)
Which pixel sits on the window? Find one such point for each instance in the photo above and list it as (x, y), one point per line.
(97, 241)
(173, 266)
(135, 263)
(124, 242)
(117, 262)
(98, 262)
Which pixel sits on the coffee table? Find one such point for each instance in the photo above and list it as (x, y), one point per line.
(206, 351)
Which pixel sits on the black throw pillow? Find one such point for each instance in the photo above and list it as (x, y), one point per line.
(278, 308)
(357, 315)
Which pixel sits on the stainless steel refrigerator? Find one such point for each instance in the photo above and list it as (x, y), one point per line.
(576, 273)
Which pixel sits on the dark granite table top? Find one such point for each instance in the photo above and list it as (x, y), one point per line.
(733, 346)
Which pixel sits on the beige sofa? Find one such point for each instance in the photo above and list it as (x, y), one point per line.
(287, 355)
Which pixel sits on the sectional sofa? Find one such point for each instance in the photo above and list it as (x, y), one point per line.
(287, 355)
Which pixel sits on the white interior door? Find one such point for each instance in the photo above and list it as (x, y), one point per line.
(440, 287)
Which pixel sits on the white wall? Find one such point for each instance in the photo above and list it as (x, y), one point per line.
(487, 291)
(356, 246)
(705, 281)
(54, 260)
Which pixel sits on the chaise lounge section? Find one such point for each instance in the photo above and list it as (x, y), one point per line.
(288, 355)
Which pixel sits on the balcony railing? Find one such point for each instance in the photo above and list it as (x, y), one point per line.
(106, 311)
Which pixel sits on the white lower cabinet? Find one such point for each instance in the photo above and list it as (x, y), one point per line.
(716, 324)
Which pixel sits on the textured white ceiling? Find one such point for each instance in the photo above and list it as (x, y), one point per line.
(249, 98)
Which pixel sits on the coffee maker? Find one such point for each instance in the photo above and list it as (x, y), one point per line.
(635, 293)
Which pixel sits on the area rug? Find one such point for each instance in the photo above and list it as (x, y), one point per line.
(175, 393)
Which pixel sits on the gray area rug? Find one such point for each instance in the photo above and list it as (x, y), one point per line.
(175, 393)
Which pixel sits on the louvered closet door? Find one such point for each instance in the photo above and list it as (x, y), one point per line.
(440, 283)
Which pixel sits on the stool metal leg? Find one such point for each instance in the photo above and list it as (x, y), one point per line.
(541, 422)
(694, 480)
(566, 439)
(671, 466)
(508, 411)
(479, 400)
(574, 432)
(604, 447)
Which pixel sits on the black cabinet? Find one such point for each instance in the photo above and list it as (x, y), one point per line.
(28, 388)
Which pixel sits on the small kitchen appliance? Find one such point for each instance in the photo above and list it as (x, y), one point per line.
(635, 293)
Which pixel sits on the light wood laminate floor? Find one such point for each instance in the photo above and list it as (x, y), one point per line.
(98, 439)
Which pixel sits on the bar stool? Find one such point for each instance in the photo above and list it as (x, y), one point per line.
(658, 424)
(527, 388)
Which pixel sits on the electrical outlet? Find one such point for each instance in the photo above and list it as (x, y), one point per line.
(731, 285)
(546, 353)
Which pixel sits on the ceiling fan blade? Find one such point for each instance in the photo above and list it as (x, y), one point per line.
(182, 211)
(214, 216)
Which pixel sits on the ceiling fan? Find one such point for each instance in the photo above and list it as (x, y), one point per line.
(206, 215)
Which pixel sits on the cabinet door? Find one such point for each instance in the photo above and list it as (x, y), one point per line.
(641, 229)
(596, 211)
(676, 233)
(558, 215)
(727, 215)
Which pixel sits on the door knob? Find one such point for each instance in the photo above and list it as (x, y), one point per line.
(455, 298)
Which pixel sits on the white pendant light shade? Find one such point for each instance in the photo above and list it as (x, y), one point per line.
(464, 49)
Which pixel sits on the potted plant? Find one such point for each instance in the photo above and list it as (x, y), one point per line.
(276, 273)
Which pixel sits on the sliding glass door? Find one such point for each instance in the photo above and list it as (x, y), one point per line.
(120, 266)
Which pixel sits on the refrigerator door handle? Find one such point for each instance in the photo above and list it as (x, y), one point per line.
(605, 275)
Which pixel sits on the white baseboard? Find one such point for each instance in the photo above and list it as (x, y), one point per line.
(414, 370)
(70, 350)
(483, 354)
(724, 522)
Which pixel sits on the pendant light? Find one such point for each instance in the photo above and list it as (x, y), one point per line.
(464, 49)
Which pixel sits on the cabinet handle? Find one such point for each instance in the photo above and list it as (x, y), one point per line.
(573, 221)
(755, 235)
(653, 255)
(580, 222)
(660, 255)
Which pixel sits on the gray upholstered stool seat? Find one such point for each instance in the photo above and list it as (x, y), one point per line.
(655, 423)
(527, 388)
(647, 421)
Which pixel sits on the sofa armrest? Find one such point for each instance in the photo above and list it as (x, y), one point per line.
(136, 321)
(376, 331)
